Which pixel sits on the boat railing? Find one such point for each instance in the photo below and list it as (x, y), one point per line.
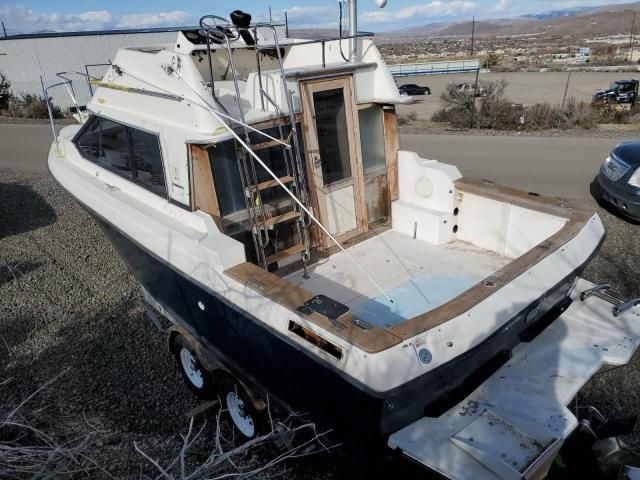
(219, 29)
(323, 42)
(303, 187)
(68, 84)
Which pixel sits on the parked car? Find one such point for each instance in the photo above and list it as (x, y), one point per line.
(620, 179)
(620, 91)
(413, 89)
(471, 88)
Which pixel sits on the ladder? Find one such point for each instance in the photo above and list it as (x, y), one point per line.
(263, 220)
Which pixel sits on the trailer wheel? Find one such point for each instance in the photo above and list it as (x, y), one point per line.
(198, 380)
(247, 413)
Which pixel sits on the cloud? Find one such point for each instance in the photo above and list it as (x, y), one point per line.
(585, 3)
(19, 19)
(305, 17)
(432, 10)
(502, 6)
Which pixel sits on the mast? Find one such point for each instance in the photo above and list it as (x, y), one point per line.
(353, 30)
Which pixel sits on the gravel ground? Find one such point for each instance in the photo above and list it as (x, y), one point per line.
(67, 302)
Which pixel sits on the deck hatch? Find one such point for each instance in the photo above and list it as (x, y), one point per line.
(325, 306)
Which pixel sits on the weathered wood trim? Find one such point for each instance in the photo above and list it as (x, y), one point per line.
(203, 189)
(317, 189)
(551, 205)
(273, 122)
(357, 167)
(391, 145)
(291, 296)
(362, 106)
(310, 152)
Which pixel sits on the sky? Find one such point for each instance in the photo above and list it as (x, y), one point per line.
(73, 15)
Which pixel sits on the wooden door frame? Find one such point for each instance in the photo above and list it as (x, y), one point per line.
(318, 192)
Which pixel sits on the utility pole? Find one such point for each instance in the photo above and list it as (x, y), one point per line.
(270, 19)
(632, 37)
(564, 98)
(473, 34)
(4, 30)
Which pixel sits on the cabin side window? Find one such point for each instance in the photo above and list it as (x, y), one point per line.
(226, 175)
(374, 162)
(372, 138)
(126, 151)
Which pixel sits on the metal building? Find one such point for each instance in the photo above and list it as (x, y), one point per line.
(26, 58)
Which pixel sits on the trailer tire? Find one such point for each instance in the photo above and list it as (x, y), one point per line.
(248, 413)
(199, 380)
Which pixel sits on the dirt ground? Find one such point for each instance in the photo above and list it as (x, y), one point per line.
(523, 87)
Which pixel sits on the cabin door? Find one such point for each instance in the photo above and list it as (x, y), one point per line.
(332, 153)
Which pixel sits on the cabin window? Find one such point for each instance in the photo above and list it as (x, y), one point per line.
(372, 138)
(148, 166)
(226, 176)
(333, 140)
(374, 162)
(106, 143)
(224, 166)
(113, 145)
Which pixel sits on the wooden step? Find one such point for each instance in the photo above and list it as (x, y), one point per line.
(281, 218)
(287, 252)
(272, 183)
(269, 144)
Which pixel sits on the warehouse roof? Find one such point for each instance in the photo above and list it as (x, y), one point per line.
(96, 32)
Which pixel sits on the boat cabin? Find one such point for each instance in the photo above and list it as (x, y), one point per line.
(285, 156)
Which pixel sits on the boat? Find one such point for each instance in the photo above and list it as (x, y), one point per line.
(299, 260)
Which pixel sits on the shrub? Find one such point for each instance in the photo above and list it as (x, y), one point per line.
(494, 111)
(412, 116)
(539, 116)
(5, 91)
(32, 106)
(491, 110)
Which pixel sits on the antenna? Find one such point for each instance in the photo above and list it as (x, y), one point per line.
(286, 25)
(4, 30)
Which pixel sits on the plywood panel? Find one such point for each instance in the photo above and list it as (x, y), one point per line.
(392, 144)
(377, 197)
(203, 190)
(340, 210)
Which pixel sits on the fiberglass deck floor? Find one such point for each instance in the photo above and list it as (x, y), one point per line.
(416, 275)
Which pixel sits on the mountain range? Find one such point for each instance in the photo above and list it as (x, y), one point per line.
(587, 22)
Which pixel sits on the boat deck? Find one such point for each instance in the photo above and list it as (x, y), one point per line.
(416, 275)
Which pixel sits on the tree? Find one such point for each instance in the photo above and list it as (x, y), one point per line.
(491, 60)
(5, 91)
